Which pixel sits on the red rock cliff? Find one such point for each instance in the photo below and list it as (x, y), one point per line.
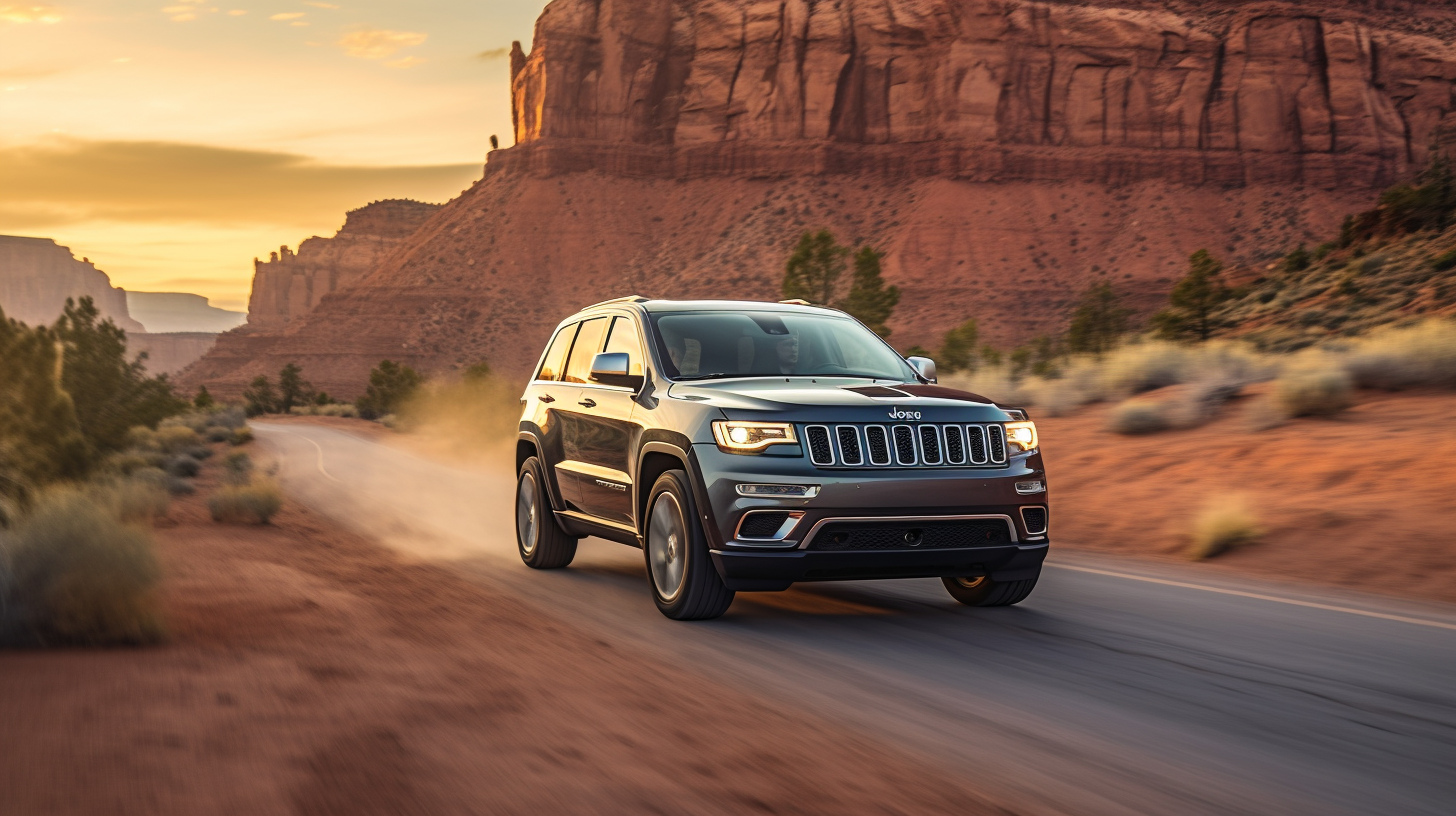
(37, 275)
(288, 285)
(999, 89)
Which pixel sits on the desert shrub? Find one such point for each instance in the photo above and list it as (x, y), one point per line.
(82, 576)
(1314, 389)
(200, 452)
(342, 409)
(127, 463)
(133, 500)
(1409, 357)
(142, 438)
(233, 416)
(176, 438)
(1224, 523)
(242, 436)
(184, 466)
(1133, 369)
(1444, 262)
(254, 503)
(237, 468)
(1134, 417)
(179, 486)
(219, 434)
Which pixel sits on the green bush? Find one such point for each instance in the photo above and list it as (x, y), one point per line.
(237, 468)
(1314, 391)
(242, 436)
(254, 503)
(184, 466)
(1136, 417)
(176, 438)
(81, 576)
(219, 434)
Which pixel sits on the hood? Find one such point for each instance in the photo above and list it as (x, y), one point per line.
(811, 399)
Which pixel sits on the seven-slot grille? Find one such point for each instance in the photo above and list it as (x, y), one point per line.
(926, 445)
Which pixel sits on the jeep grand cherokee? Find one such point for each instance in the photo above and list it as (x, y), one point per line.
(748, 446)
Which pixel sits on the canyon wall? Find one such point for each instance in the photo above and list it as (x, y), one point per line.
(1003, 154)
(289, 284)
(37, 276)
(982, 89)
(170, 352)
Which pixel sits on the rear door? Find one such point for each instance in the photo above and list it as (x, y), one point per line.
(545, 397)
(574, 411)
(606, 433)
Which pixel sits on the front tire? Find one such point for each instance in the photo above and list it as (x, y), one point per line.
(539, 539)
(982, 591)
(685, 584)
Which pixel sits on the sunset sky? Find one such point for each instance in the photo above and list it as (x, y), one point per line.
(172, 143)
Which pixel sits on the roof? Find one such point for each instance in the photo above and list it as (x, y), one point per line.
(713, 306)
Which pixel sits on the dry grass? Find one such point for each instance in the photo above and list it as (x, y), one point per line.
(345, 410)
(1317, 388)
(1135, 417)
(139, 501)
(242, 436)
(253, 503)
(1423, 355)
(82, 576)
(1225, 522)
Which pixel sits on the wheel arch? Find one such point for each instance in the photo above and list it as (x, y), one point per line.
(657, 459)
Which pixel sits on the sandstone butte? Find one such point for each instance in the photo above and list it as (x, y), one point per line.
(1004, 155)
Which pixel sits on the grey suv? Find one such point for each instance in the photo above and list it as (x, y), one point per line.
(748, 446)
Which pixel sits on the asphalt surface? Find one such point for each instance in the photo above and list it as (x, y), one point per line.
(1117, 688)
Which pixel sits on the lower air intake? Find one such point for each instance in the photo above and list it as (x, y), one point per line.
(762, 525)
(1035, 519)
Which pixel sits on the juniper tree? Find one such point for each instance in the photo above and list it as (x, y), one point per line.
(814, 268)
(869, 299)
(1098, 321)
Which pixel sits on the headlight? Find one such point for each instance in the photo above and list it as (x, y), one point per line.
(1021, 434)
(752, 437)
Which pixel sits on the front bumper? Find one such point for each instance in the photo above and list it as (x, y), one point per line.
(769, 571)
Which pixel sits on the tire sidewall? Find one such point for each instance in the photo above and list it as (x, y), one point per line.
(532, 467)
(696, 551)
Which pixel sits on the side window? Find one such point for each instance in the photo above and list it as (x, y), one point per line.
(588, 340)
(556, 354)
(623, 339)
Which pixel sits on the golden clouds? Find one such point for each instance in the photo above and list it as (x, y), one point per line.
(378, 43)
(67, 181)
(30, 14)
(493, 54)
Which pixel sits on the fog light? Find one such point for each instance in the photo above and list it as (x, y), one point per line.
(779, 491)
(1026, 488)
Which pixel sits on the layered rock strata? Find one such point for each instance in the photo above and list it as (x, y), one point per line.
(983, 89)
(37, 276)
(290, 284)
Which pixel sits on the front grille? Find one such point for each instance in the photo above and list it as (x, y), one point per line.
(821, 452)
(1035, 519)
(762, 525)
(897, 534)
(849, 452)
(926, 445)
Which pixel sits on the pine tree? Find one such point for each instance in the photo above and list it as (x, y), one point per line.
(390, 385)
(203, 400)
(40, 436)
(1099, 320)
(814, 268)
(1194, 299)
(958, 347)
(293, 389)
(260, 398)
(869, 299)
(111, 395)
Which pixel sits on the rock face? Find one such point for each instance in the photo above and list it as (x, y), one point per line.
(288, 285)
(37, 275)
(170, 312)
(1003, 154)
(999, 89)
(170, 352)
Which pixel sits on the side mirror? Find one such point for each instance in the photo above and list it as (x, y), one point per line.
(611, 368)
(924, 366)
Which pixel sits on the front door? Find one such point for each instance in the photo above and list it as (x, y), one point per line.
(603, 434)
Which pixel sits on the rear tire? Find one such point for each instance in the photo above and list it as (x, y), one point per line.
(685, 584)
(539, 539)
(983, 591)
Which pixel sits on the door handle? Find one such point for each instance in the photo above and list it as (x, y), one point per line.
(588, 402)
(547, 398)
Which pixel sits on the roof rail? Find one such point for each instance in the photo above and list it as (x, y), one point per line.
(627, 299)
(796, 302)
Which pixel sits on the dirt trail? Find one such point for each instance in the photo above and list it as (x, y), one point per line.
(313, 671)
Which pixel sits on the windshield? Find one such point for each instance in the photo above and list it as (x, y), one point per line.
(707, 345)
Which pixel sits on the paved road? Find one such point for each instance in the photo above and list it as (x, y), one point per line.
(1116, 688)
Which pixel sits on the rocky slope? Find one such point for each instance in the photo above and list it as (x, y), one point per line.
(289, 284)
(1003, 153)
(37, 275)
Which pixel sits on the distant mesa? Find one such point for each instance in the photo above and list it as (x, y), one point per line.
(290, 284)
(37, 275)
(168, 312)
(1002, 154)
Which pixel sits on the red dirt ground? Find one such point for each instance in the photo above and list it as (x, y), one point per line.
(310, 671)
